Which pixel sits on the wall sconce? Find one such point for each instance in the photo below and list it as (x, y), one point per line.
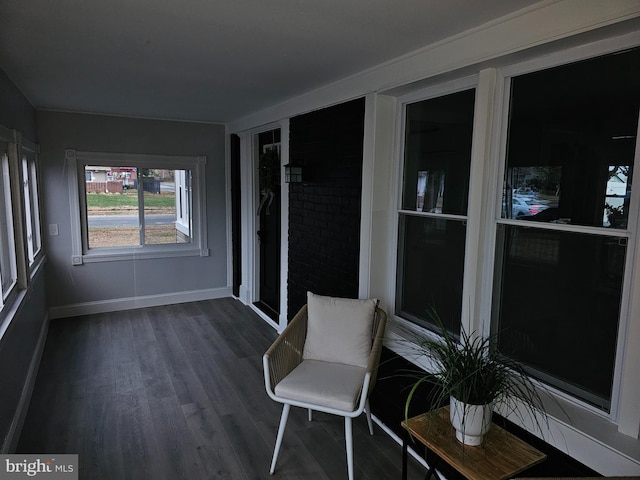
(292, 173)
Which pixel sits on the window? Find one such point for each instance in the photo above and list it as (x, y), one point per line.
(432, 218)
(563, 235)
(130, 206)
(31, 206)
(138, 204)
(8, 263)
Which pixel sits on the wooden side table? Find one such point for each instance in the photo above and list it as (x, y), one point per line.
(502, 455)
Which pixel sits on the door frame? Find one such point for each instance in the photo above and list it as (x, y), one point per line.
(250, 198)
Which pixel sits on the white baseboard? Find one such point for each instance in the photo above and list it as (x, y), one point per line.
(264, 316)
(398, 440)
(11, 441)
(119, 304)
(245, 295)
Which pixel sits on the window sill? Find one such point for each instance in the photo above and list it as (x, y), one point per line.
(128, 254)
(37, 264)
(590, 438)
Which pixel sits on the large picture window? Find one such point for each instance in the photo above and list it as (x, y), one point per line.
(563, 233)
(142, 204)
(432, 218)
(130, 206)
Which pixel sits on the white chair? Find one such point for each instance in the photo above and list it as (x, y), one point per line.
(327, 360)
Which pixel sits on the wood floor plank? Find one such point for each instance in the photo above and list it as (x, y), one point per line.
(177, 453)
(136, 436)
(213, 377)
(155, 376)
(327, 448)
(177, 363)
(99, 354)
(246, 441)
(295, 461)
(125, 340)
(232, 331)
(99, 415)
(218, 458)
(141, 325)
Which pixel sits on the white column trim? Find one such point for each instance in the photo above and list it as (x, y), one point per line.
(247, 222)
(628, 411)
(284, 226)
(366, 199)
(474, 317)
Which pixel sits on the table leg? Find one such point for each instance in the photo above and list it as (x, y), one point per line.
(404, 454)
(432, 461)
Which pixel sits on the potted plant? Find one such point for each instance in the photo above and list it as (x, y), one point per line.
(474, 378)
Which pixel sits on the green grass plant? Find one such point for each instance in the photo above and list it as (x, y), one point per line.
(474, 372)
(129, 199)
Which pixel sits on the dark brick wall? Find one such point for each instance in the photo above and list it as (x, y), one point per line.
(324, 211)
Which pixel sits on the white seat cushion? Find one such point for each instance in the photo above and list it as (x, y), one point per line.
(326, 384)
(339, 329)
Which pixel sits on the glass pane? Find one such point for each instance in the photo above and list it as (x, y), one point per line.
(557, 306)
(572, 135)
(27, 210)
(430, 270)
(35, 206)
(8, 268)
(438, 154)
(183, 204)
(112, 206)
(160, 208)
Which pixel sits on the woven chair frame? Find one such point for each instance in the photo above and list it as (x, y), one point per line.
(286, 353)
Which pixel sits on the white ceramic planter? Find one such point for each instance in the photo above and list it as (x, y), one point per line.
(471, 422)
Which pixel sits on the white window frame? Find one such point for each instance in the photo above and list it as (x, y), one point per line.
(475, 190)
(77, 160)
(184, 193)
(7, 234)
(630, 290)
(29, 180)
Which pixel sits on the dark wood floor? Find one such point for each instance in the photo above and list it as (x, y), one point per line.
(177, 393)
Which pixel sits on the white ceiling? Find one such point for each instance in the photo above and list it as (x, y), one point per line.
(212, 60)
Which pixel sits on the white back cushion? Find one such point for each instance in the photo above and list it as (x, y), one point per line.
(339, 329)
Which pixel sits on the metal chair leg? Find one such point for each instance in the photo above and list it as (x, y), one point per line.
(348, 435)
(283, 424)
(367, 411)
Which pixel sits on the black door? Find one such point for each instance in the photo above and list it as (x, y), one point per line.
(269, 224)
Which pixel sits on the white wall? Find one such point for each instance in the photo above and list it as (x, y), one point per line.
(107, 286)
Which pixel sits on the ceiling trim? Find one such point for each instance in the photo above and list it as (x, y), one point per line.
(546, 23)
